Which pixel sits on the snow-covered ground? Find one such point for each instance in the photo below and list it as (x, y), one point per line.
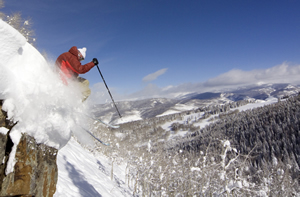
(178, 108)
(81, 173)
(134, 115)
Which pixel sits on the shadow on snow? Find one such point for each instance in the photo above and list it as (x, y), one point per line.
(85, 189)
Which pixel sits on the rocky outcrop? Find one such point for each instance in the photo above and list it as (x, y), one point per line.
(35, 171)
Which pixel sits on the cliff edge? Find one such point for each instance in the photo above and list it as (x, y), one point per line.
(35, 170)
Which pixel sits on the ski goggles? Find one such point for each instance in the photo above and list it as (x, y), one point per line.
(80, 57)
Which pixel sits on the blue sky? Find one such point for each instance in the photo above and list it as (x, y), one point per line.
(147, 47)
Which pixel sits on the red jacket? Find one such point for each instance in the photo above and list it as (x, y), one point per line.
(70, 65)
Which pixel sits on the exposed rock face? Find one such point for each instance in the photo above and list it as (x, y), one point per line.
(35, 171)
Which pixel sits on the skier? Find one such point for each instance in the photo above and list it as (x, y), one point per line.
(70, 67)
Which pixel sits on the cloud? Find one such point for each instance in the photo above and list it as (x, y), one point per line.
(283, 73)
(154, 76)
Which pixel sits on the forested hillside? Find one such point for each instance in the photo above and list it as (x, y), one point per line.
(253, 152)
(270, 131)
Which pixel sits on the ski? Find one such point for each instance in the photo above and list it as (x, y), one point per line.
(106, 144)
(105, 123)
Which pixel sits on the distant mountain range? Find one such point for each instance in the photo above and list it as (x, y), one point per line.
(153, 107)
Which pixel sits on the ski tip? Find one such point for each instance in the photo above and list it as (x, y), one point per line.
(106, 144)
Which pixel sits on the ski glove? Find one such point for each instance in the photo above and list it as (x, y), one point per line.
(95, 61)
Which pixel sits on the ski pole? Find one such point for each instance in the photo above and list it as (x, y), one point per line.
(109, 91)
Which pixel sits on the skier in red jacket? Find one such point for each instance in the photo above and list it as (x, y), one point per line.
(70, 67)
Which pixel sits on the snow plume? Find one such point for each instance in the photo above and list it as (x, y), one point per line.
(34, 95)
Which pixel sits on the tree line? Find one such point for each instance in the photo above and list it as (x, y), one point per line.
(249, 153)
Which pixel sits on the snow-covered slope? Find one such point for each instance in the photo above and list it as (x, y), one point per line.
(156, 107)
(193, 118)
(83, 174)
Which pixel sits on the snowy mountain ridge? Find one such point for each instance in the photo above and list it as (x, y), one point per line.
(155, 107)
